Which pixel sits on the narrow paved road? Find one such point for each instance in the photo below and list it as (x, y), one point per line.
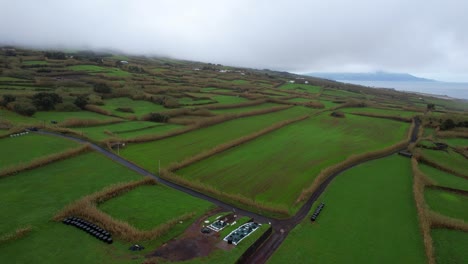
(281, 227)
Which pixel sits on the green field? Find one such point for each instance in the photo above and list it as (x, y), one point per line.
(16, 118)
(62, 116)
(456, 142)
(443, 178)
(244, 109)
(192, 101)
(12, 79)
(380, 111)
(23, 149)
(301, 87)
(450, 246)
(299, 100)
(183, 146)
(149, 206)
(126, 130)
(369, 217)
(342, 93)
(448, 159)
(228, 99)
(140, 108)
(240, 81)
(328, 104)
(36, 62)
(447, 203)
(293, 156)
(93, 69)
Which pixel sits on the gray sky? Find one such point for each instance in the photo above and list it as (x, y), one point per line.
(428, 38)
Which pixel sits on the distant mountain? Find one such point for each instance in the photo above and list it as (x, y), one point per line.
(374, 76)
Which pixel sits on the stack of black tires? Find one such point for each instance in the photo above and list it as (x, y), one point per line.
(317, 212)
(89, 228)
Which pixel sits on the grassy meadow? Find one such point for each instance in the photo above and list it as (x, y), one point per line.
(139, 107)
(443, 178)
(450, 246)
(447, 159)
(369, 217)
(447, 203)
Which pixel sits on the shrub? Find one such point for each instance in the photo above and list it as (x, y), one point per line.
(46, 101)
(81, 101)
(125, 109)
(157, 117)
(7, 98)
(102, 88)
(24, 108)
(67, 107)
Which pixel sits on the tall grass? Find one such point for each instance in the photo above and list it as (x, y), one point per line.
(43, 160)
(352, 160)
(420, 181)
(97, 109)
(237, 105)
(86, 208)
(17, 234)
(423, 159)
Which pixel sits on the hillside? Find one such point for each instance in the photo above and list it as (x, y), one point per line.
(374, 76)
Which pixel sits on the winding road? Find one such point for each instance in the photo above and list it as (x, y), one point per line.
(281, 227)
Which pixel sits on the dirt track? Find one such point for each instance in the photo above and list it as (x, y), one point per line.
(281, 228)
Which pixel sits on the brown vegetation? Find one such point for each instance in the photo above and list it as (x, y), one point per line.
(237, 105)
(17, 234)
(43, 160)
(397, 118)
(423, 159)
(446, 134)
(77, 122)
(442, 221)
(86, 208)
(97, 109)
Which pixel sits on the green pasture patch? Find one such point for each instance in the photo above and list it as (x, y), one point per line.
(244, 109)
(179, 147)
(126, 130)
(139, 107)
(429, 132)
(380, 111)
(62, 116)
(227, 99)
(448, 159)
(137, 207)
(369, 217)
(456, 142)
(93, 69)
(23, 149)
(328, 104)
(35, 62)
(301, 87)
(342, 93)
(450, 245)
(447, 203)
(194, 101)
(443, 178)
(240, 81)
(16, 118)
(276, 167)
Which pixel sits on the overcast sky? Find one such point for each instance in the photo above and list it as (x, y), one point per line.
(428, 38)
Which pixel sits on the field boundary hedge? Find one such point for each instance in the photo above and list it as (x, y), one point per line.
(351, 161)
(396, 118)
(448, 134)
(77, 122)
(38, 162)
(17, 234)
(86, 208)
(442, 221)
(420, 181)
(237, 105)
(423, 159)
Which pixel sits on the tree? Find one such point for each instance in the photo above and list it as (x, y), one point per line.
(102, 88)
(81, 101)
(46, 101)
(447, 124)
(157, 117)
(8, 98)
(430, 107)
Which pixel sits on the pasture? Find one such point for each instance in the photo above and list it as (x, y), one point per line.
(125, 130)
(447, 203)
(177, 148)
(443, 178)
(62, 116)
(93, 69)
(244, 109)
(313, 89)
(369, 217)
(293, 156)
(380, 111)
(23, 149)
(447, 159)
(139, 107)
(450, 245)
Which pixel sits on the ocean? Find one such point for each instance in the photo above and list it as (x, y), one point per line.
(455, 90)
